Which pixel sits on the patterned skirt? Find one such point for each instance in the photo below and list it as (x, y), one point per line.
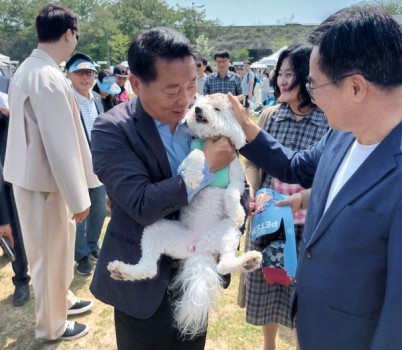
(268, 303)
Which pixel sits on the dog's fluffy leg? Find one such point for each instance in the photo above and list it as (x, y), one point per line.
(162, 237)
(229, 262)
(194, 288)
(233, 193)
(192, 168)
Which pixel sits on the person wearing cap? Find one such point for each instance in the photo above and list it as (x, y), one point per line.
(81, 72)
(107, 88)
(49, 164)
(121, 74)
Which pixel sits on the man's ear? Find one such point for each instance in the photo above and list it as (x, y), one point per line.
(360, 87)
(135, 82)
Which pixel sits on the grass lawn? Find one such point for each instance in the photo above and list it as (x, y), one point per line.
(227, 328)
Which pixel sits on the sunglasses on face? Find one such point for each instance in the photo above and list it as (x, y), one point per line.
(82, 72)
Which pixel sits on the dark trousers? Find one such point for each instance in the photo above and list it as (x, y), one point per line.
(20, 265)
(155, 333)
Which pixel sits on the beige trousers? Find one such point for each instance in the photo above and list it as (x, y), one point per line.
(49, 239)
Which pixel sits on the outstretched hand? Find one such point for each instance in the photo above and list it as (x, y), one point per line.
(295, 201)
(250, 129)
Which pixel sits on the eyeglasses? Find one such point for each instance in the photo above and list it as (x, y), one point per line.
(82, 72)
(311, 89)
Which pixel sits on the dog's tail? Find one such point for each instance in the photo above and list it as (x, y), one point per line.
(194, 288)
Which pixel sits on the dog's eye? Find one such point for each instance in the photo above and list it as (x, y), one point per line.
(217, 109)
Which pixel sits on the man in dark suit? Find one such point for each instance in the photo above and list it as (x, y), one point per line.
(20, 265)
(137, 148)
(348, 281)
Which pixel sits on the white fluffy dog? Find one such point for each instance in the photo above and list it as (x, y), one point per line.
(208, 226)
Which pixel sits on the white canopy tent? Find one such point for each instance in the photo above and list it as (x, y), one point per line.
(5, 60)
(258, 65)
(271, 60)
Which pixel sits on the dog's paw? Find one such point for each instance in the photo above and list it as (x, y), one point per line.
(117, 271)
(252, 261)
(192, 168)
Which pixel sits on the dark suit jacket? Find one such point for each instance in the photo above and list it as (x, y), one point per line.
(349, 279)
(4, 83)
(4, 217)
(130, 160)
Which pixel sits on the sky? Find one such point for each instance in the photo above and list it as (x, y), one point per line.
(267, 12)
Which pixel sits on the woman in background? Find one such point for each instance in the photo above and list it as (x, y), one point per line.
(106, 87)
(297, 123)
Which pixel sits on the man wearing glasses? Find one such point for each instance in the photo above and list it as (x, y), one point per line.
(49, 164)
(348, 281)
(81, 71)
(200, 63)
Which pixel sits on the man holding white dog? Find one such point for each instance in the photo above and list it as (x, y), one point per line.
(137, 148)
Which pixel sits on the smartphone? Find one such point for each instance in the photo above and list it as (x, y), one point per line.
(7, 249)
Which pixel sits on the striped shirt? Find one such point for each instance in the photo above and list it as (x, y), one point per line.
(231, 82)
(88, 110)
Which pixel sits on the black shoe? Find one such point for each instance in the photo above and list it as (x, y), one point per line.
(74, 330)
(94, 255)
(21, 295)
(84, 266)
(226, 281)
(80, 307)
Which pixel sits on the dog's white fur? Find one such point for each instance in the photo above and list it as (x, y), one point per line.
(208, 226)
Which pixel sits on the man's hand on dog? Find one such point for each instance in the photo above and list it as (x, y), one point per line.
(219, 153)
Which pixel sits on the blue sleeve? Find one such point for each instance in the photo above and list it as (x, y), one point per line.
(387, 334)
(207, 178)
(283, 163)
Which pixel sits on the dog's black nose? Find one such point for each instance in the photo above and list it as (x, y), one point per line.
(199, 117)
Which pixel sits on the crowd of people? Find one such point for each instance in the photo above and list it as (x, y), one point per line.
(329, 136)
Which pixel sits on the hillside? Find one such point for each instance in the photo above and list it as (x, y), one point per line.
(259, 40)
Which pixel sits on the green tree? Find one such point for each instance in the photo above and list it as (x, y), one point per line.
(192, 21)
(134, 16)
(393, 7)
(118, 46)
(239, 55)
(203, 46)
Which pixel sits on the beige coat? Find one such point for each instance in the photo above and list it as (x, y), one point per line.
(46, 149)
